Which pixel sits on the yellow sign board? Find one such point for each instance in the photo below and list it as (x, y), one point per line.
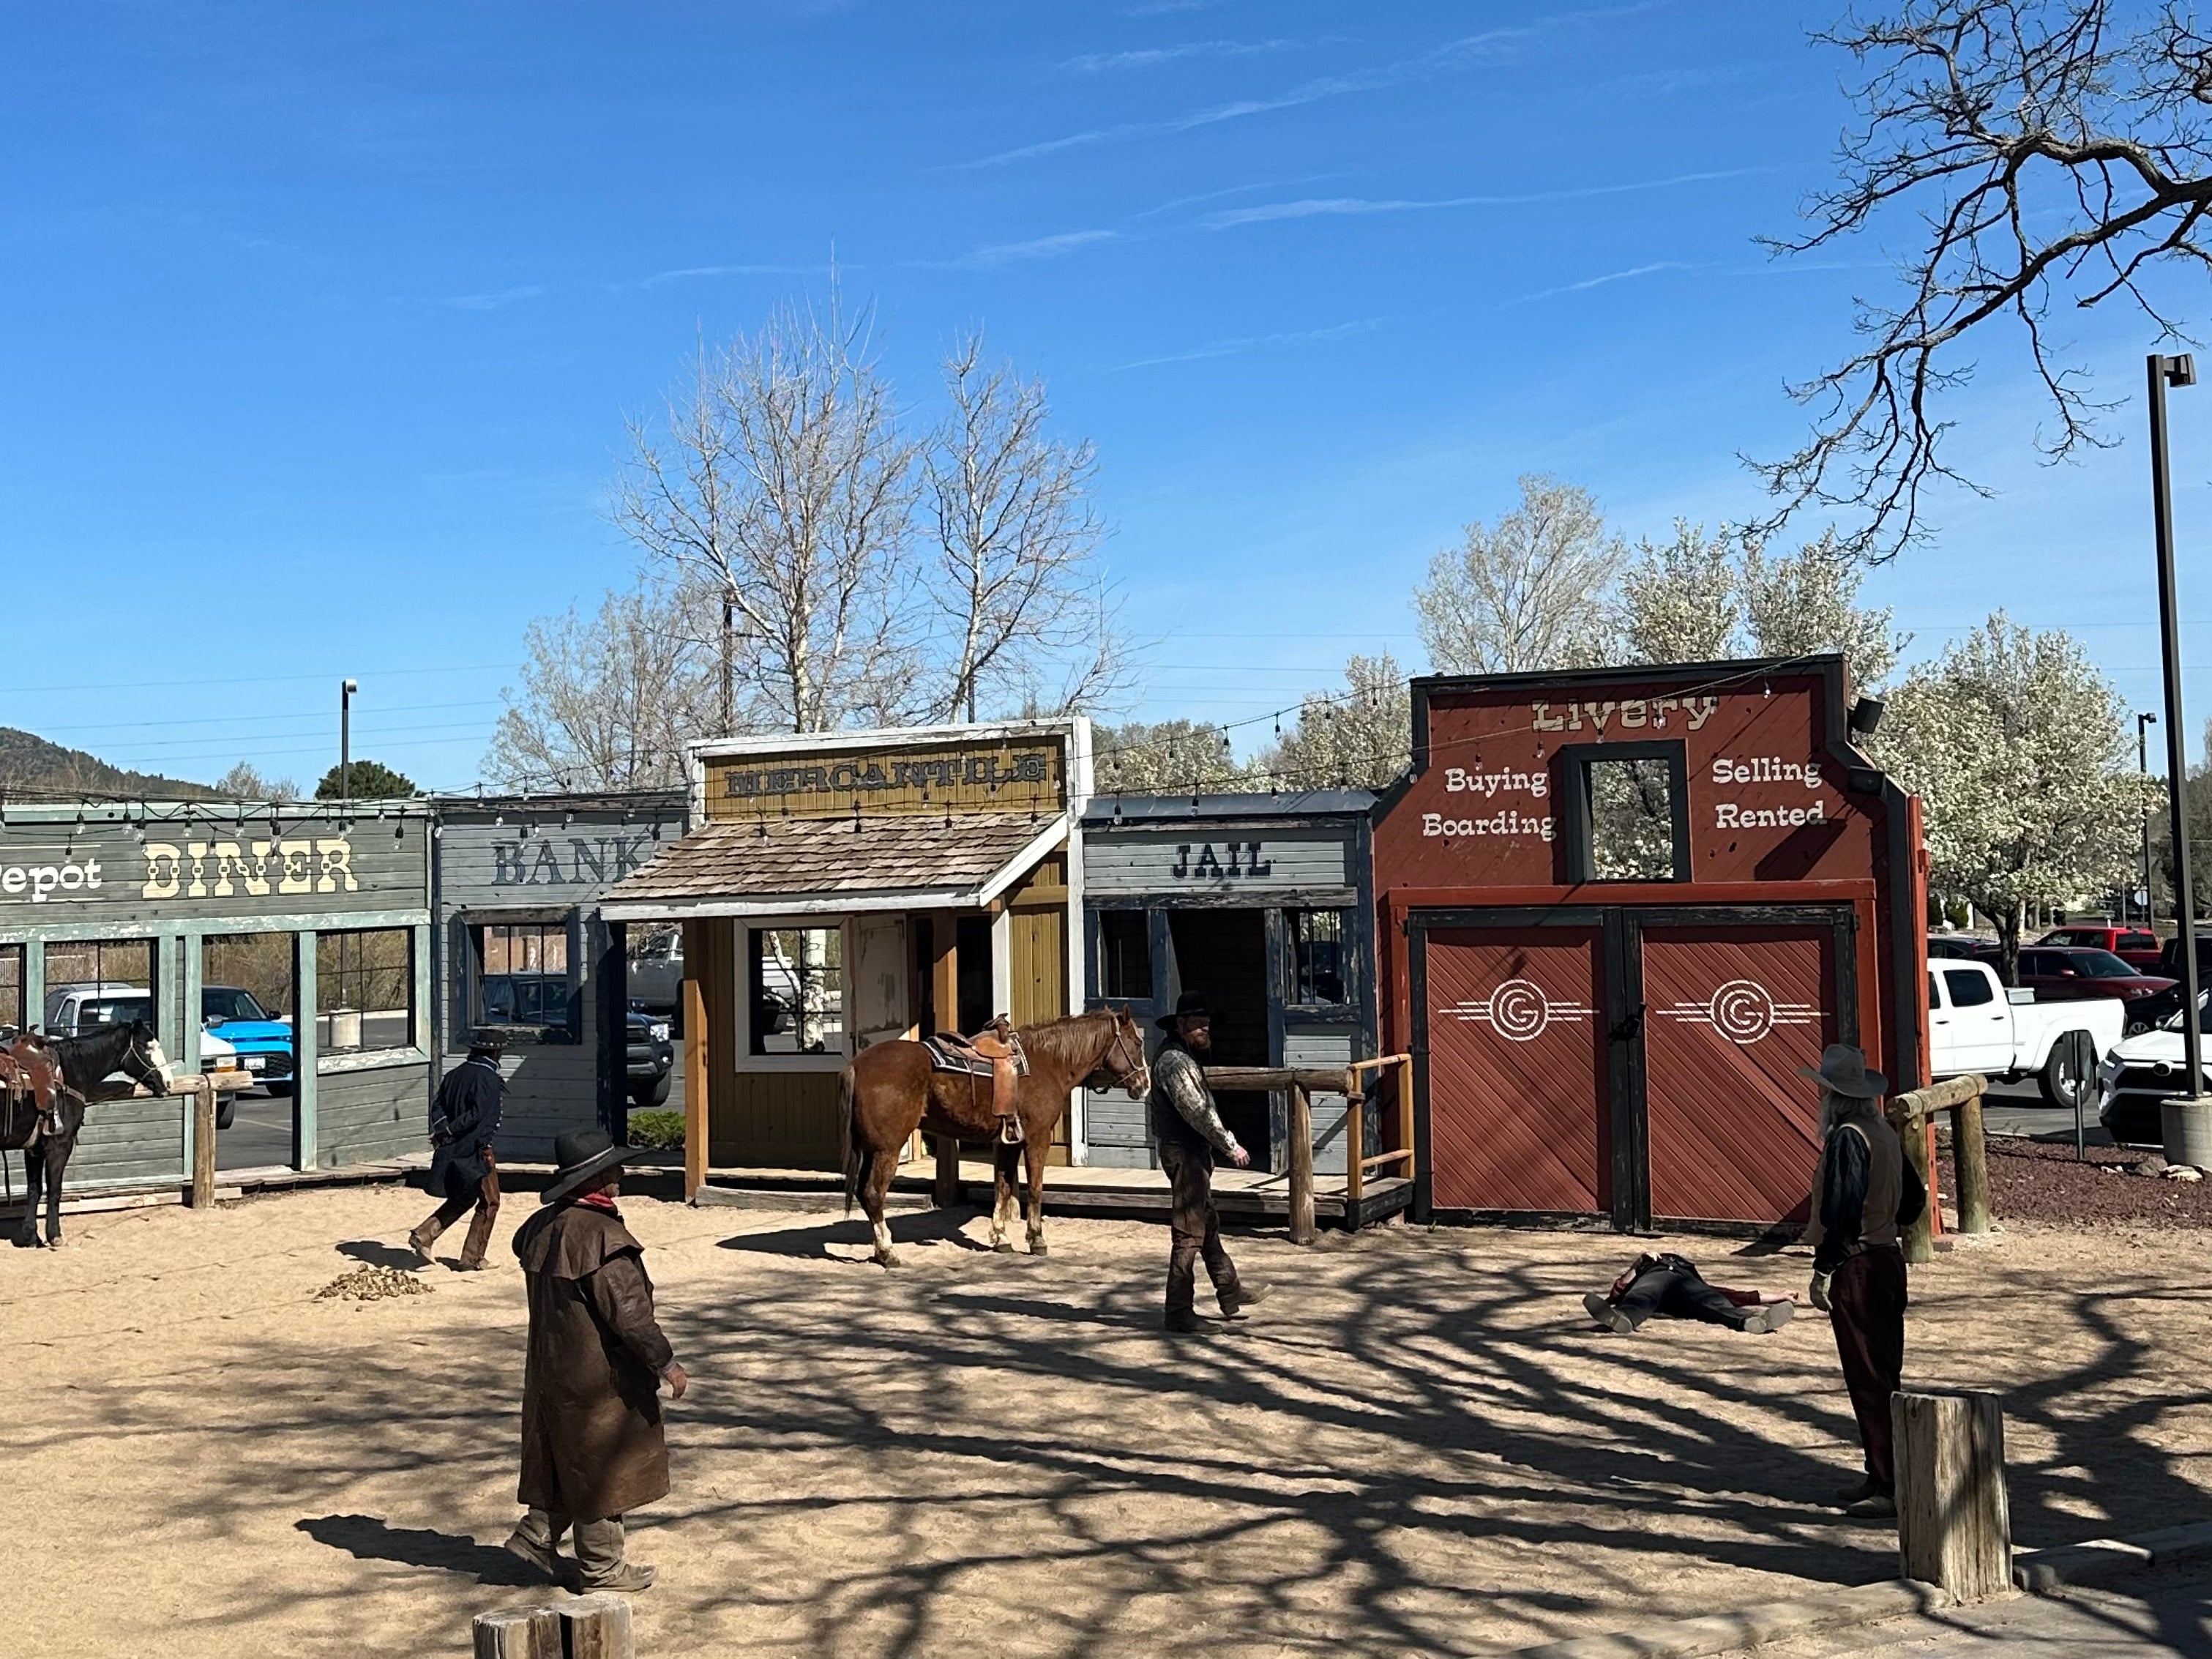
(1025, 774)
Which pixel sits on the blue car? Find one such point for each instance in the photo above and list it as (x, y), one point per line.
(263, 1044)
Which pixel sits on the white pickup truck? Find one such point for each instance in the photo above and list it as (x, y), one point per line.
(1975, 1024)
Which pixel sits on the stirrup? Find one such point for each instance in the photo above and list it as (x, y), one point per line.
(1011, 1134)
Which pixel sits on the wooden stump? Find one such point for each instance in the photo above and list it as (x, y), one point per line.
(517, 1634)
(1301, 1149)
(1953, 1526)
(944, 1192)
(596, 1627)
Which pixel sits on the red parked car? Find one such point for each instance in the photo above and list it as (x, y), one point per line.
(2066, 974)
(2136, 946)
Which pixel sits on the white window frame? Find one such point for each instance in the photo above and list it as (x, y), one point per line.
(741, 982)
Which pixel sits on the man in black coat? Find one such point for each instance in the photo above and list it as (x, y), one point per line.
(462, 1168)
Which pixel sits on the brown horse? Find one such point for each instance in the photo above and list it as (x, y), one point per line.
(891, 1089)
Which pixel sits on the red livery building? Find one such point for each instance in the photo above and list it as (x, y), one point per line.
(1618, 910)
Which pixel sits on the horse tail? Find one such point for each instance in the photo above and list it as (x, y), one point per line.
(849, 1155)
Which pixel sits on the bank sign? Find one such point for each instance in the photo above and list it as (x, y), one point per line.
(184, 870)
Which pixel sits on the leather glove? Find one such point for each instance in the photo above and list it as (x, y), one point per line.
(1819, 1293)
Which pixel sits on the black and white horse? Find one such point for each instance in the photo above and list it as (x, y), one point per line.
(46, 1130)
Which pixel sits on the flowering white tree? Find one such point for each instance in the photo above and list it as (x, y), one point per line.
(1359, 738)
(1527, 592)
(1165, 757)
(2021, 753)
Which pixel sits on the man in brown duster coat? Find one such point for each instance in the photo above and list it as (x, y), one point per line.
(592, 1442)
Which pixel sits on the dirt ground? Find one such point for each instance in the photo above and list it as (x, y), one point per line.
(1417, 1443)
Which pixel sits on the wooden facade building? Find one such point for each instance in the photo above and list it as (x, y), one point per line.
(522, 952)
(1619, 910)
(1263, 904)
(317, 912)
(841, 889)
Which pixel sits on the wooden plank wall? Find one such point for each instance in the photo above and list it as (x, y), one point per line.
(140, 1139)
(364, 1116)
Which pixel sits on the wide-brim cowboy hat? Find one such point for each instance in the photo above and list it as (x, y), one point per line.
(1843, 1067)
(583, 1157)
(1189, 1005)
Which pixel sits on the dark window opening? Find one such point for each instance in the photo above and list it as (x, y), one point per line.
(973, 941)
(11, 987)
(1318, 963)
(1968, 989)
(1125, 954)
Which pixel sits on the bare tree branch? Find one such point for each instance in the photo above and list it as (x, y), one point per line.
(1016, 533)
(2053, 153)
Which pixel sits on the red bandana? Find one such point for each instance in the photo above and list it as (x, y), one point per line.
(600, 1200)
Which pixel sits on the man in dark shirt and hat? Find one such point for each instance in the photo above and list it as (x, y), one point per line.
(592, 1448)
(1187, 1129)
(463, 1172)
(1863, 1194)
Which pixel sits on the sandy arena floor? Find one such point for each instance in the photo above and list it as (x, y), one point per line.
(1416, 1445)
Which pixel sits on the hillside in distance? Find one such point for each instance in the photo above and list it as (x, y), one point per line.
(31, 768)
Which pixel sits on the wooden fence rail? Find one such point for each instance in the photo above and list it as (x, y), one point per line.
(1910, 1114)
(1303, 1082)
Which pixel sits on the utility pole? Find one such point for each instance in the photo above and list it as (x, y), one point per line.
(729, 665)
(2142, 766)
(346, 689)
(2186, 1119)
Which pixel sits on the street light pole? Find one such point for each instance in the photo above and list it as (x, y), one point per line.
(346, 689)
(2186, 1120)
(2142, 767)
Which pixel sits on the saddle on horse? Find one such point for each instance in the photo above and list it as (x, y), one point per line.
(996, 1053)
(30, 1076)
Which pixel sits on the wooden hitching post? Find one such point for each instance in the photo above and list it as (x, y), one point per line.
(517, 1634)
(697, 1056)
(204, 1134)
(1405, 1117)
(944, 1000)
(1953, 1526)
(1970, 1152)
(1355, 1148)
(1302, 1196)
(1912, 1126)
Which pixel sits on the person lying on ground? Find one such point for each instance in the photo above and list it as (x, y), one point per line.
(1671, 1286)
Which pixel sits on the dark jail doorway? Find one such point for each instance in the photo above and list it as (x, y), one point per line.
(1222, 955)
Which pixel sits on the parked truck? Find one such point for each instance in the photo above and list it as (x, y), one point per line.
(1975, 1024)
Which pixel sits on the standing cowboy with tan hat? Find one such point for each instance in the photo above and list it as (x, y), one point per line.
(592, 1448)
(1863, 1195)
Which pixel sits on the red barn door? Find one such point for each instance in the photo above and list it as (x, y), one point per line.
(1518, 1097)
(1731, 1013)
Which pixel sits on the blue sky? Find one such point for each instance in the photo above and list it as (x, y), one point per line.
(321, 323)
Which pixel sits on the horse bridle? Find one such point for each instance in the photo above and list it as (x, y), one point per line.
(1134, 1077)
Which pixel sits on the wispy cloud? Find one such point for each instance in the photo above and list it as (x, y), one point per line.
(1589, 282)
(1487, 45)
(1037, 247)
(1254, 343)
(1163, 8)
(1453, 53)
(506, 296)
(1094, 62)
(688, 273)
(1322, 206)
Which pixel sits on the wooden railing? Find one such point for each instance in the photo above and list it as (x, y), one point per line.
(1303, 1082)
(1909, 1114)
(1356, 1164)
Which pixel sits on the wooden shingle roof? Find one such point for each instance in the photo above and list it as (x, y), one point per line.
(760, 867)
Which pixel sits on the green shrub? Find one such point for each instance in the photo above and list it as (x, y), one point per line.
(659, 1131)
